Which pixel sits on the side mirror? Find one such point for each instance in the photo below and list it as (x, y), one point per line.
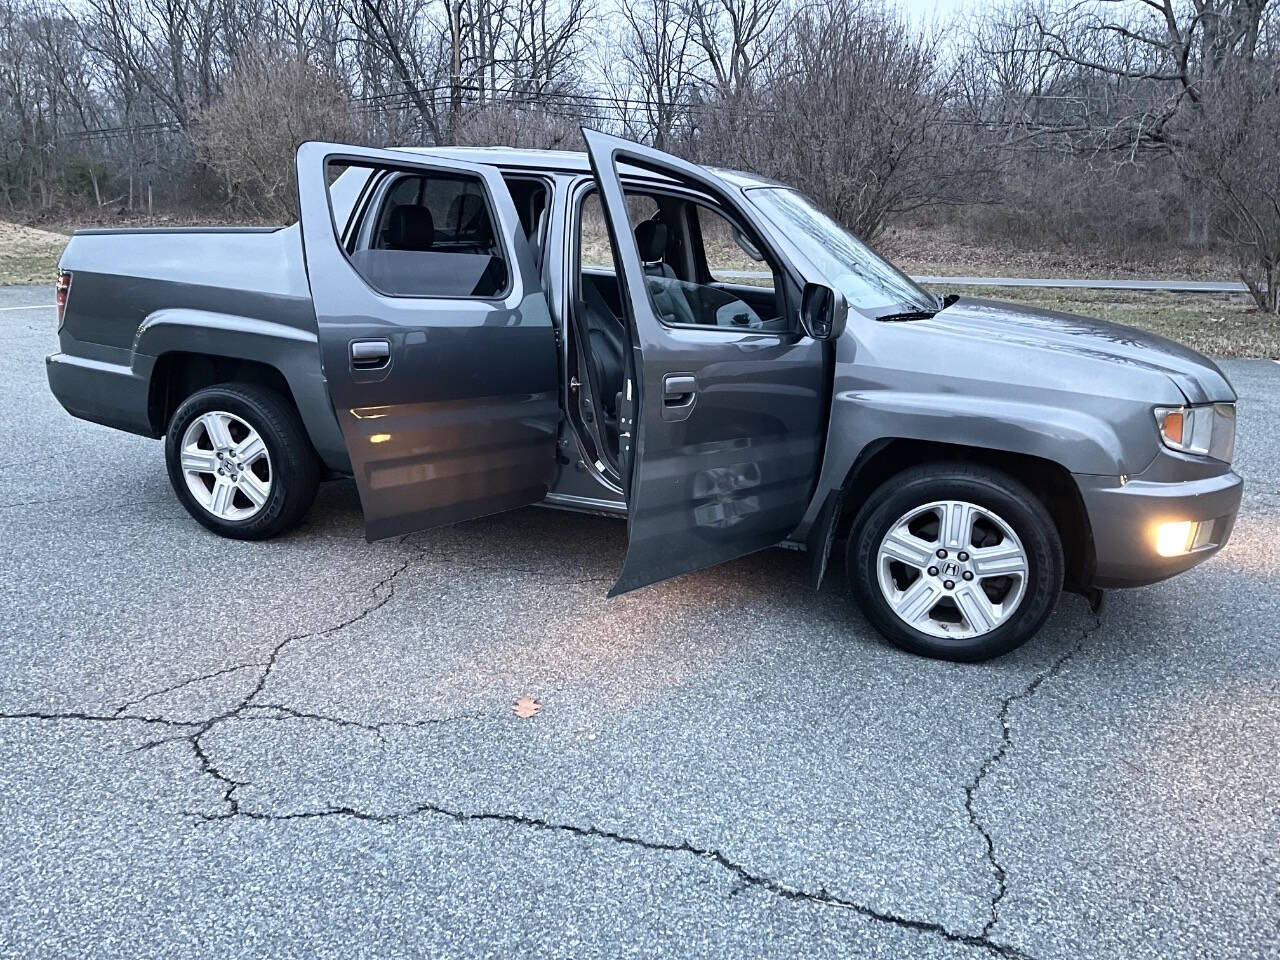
(823, 312)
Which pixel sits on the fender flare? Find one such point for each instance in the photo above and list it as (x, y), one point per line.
(291, 351)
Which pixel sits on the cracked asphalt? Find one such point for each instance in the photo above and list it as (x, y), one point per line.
(305, 748)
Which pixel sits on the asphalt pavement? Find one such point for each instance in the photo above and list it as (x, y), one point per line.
(306, 747)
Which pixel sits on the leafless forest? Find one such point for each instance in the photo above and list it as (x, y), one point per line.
(1146, 120)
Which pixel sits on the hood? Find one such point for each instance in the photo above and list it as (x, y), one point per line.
(1008, 324)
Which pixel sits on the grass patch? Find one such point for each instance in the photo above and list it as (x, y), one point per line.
(942, 251)
(28, 255)
(1225, 325)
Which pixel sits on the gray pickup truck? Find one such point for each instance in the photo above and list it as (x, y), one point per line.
(621, 332)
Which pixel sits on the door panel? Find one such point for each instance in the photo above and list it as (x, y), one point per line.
(728, 425)
(448, 405)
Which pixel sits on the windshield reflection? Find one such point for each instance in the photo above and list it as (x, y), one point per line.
(869, 283)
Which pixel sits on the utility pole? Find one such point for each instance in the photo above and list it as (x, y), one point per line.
(455, 77)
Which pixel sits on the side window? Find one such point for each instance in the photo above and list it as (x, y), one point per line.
(732, 257)
(429, 235)
(530, 199)
(595, 251)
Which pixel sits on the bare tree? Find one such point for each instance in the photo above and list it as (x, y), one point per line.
(737, 38)
(653, 73)
(271, 104)
(1168, 53)
(1235, 154)
(856, 110)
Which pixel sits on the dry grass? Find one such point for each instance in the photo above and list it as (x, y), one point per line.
(29, 255)
(946, 251)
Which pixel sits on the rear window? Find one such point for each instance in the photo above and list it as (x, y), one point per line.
(427, 234)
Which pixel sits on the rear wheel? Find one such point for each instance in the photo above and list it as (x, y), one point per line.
(240, 462)
(955, 561)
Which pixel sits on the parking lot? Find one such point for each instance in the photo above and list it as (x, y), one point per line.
(307, 748)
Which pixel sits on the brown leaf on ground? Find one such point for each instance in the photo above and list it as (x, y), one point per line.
(526, 707)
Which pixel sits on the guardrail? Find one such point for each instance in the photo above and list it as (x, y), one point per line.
(1159, 286)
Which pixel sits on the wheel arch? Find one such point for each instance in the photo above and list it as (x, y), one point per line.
(1050, 481)
(178, 374)
(188, 350)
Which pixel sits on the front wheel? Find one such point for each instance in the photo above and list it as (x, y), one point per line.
(240, 461)
(955, 561)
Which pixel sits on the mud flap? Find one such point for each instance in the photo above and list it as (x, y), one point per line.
(821, 537)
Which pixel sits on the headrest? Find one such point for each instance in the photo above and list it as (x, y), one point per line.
(651, 240)
(410, 228)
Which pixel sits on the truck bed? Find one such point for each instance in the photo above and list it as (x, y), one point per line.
(137, 294)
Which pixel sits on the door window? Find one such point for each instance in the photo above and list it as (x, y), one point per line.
(429, 235)
(700, 268)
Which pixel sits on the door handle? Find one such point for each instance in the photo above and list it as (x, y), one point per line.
(679, 393)
(370, 354)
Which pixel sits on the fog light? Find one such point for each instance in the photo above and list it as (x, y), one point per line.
(1175, 538)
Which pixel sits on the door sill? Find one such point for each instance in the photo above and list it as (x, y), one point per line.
(567, 501)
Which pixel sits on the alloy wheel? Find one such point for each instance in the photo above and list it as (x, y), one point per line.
(226, 465)
(952, 569)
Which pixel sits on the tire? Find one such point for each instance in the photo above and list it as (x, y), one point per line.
(1008, 518)
(284, 465)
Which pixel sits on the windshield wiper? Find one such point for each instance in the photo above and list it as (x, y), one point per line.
(907, 315)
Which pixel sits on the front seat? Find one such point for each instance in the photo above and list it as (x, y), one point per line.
(409, 227)
(651, 240)
(670, 298)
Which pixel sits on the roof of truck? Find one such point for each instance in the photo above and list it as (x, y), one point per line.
(571, 161)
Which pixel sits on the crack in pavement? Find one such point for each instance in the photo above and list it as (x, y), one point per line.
(745, 876)
(276, 711)
(84, 717)
(192, 733)
(189, 681)
(994, 759)
(383, 591)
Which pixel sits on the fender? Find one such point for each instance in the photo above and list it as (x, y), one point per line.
(861, 421)
(290, 349)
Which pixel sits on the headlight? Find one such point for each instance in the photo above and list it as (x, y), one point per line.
(1208, 430)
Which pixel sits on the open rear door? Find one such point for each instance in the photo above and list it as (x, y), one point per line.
(435, 337)
(729, 423)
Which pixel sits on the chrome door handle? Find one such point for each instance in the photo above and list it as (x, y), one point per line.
(370, 354)
(679, 394)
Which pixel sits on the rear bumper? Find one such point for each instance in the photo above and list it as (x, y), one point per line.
(102, 392)
(1124, 519)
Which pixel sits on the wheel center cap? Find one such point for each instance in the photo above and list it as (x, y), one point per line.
(950, 569)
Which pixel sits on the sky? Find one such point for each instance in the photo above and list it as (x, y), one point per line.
(924, 12)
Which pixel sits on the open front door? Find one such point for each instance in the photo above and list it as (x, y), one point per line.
(729, 421)
(435, 337)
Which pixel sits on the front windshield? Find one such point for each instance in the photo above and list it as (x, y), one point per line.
(868, 283)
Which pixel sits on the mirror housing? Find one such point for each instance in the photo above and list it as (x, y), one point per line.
(823, 312)
(749, 248)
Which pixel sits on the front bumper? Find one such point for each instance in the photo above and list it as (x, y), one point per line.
(1124, 518)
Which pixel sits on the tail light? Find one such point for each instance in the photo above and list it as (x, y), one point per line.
(62, 291)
